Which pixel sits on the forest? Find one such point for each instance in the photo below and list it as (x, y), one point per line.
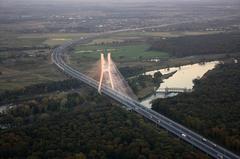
(212, 109)
(86, 125)
(223, 43)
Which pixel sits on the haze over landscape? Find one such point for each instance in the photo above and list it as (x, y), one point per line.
(113, 79)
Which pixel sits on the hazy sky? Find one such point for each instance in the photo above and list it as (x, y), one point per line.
(41, 1)
(27, 2)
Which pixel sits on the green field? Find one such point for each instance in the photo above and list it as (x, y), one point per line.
(52, 39)
(23, 68)
(12, 40)
(167, 34)
(125, 52)
(19, 77)
(16, 40)
(136, 35)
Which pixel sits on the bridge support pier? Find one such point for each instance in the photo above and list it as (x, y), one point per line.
(105, 67)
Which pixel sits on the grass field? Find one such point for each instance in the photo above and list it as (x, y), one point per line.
(23, 68)
(163, 34)
(24, 78)
(105, 40)
(12, 40)
(16, 40)
(52, 39)
(125, 52)
(136, 35)
(17, 78)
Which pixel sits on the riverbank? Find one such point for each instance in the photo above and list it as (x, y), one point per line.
(188, 60)
(149, 83)
(179, 77)
(146, 66)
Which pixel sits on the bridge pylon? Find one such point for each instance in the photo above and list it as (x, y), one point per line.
(106, 67)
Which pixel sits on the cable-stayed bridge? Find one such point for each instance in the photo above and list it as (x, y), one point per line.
(180, 131)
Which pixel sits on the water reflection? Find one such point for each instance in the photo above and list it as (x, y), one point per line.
(183, 78)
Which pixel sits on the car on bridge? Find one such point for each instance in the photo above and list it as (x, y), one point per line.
(204, 139)
(220, 156)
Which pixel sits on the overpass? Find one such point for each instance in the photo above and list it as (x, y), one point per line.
(180, 131)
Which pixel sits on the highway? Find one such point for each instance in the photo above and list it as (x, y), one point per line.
(180, 131)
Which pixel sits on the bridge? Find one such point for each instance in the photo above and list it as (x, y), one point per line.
(180, 131)
(173, 90)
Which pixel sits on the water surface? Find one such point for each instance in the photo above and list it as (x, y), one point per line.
(183, 78)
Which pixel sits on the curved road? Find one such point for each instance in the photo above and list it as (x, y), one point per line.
(182, 132)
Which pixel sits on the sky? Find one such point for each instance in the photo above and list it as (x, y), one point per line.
(27, 2)
(7, 1)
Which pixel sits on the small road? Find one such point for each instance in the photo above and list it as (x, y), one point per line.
(180, 131)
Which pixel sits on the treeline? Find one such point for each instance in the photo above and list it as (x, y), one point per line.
(131, 71)
(213, 109)
(73, 126)
(140, 82)
(121, 43)
(223, 43)
(14, 95)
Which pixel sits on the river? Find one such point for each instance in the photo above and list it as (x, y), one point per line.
(183, 78)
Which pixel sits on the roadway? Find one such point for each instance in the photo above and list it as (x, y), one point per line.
(180, 131)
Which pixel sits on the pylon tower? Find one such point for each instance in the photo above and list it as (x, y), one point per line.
(105, 69)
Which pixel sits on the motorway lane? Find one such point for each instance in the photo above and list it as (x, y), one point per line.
(182, 132)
